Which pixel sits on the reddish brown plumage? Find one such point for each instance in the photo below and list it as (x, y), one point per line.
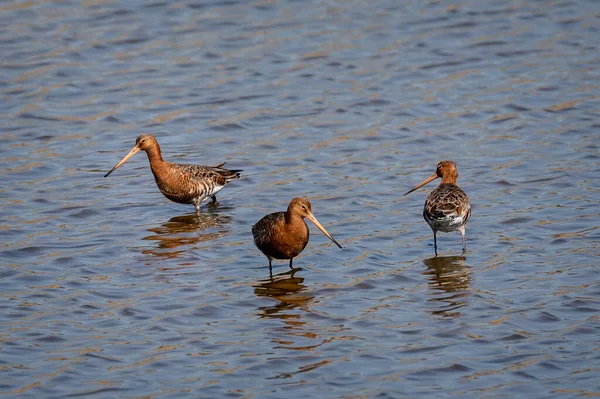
(181, 183)
(284, 235)
(447, 208)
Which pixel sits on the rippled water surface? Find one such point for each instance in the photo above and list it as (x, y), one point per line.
(110, 290)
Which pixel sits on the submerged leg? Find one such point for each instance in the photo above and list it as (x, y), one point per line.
(197, 206)
(213, 201)
(464, 242)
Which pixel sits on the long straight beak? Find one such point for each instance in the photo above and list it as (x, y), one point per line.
(424, 182)
(133, 151)
(313, 219)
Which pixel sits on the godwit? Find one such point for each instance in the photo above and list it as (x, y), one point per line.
(447, 208)
(181, 183)
(283, 235)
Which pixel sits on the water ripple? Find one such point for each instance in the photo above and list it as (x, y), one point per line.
(110, 289)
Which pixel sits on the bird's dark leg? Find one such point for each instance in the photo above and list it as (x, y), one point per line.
(291, 263)
(464, 242)
(270, 269)
(435, 242)
(213, 201)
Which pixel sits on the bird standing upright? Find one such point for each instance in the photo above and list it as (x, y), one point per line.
(447, 208)
(283, 235)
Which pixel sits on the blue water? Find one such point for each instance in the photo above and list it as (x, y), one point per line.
(110, 290)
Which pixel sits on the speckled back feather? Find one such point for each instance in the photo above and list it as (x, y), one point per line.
(447, 208)
(187, 183)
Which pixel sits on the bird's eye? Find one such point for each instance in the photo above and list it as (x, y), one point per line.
(303, 207)
(143, 141)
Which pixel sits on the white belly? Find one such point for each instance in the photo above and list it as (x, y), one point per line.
(446, 224)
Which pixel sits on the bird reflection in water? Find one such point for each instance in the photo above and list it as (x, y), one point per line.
(183, 231)
(295, 333)
(449, 280)
(287, 290)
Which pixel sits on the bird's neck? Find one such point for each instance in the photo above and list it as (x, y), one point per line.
(292, 218)
(154, 155)
(448, 180)
(289, 218)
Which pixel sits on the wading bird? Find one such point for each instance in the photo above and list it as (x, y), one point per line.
(181, 183)
(283, 235)
(447, 208)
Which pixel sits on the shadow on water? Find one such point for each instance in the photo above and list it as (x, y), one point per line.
(449, 280)
(184, 231)
(287, 290)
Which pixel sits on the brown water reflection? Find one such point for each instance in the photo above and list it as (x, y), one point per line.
(449, 280)
(175, 236)
(296, 333)
(286, 289)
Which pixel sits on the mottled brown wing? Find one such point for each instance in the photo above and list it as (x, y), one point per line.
(263, 232)
(278, 239)
(213, 174)
(448, 200)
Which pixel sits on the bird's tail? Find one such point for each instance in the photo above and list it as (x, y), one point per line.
(233, 174)
(229, 174)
